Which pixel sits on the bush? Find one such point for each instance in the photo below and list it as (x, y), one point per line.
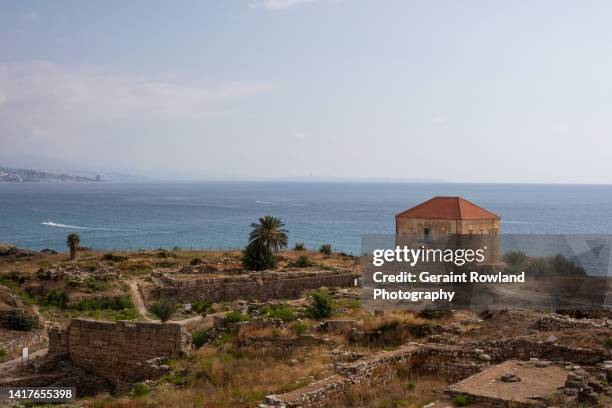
(326, 249)
(302, 262)
(2, 353)
(18, 320)
(258, 260)
(284, 312)
(163, 309)
(515, 261)
(460, 401)
(196, 262)
(106, 302)
(140, 389)
(235, 317)
(114, 258)
(202, 307)
(321, 304)
(608, 342)
(298, 328)
(57, 298)
(299, 247)
(199, 338)
(96, 285)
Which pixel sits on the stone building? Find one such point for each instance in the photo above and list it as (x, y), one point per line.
(443, 217)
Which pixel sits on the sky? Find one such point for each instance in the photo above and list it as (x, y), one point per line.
(466, 91)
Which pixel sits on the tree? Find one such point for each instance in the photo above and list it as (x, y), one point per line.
(266, 238)
(73, 242)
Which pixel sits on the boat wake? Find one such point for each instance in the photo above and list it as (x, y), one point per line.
(57, 225)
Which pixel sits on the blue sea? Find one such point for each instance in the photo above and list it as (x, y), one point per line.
(218, 214)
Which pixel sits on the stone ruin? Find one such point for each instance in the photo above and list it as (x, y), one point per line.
(282, 284)
(96, 356)
(483, 370)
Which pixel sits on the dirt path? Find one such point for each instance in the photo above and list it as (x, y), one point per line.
(137, 298)
(15, 363)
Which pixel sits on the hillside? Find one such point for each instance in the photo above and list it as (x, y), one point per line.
(27, 175)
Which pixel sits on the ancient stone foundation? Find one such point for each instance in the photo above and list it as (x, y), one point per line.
(122, 351)
(260, 286)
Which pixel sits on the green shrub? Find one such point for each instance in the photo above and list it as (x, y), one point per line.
(299, 247)
(284, 312)
(95, 285)
(56, 298)
(460, 401)
(140, 389)
(254, 259)
(515, 261)
(202, 307)
(321, 304)
(298, 328)
(608, 342)
(163, 309)
(18, 320)
(2, 353)
(200, 337)
(302, 262)
(326, 249)
(235, 317)
(105, 302)
(114, 258)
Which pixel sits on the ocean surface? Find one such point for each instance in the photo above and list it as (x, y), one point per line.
(218, 214)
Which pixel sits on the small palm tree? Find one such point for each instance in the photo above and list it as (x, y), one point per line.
(299, 247)
(164, 309)
(73, 241)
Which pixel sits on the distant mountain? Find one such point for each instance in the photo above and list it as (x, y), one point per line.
(27, 175)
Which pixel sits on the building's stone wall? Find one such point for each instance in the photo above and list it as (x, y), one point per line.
(119, 351)
(260, 286)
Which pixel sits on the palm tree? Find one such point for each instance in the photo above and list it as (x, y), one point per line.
(268, 235)
(73, 242)
(266, 238)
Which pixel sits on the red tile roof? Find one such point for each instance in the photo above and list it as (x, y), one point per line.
(448, 208)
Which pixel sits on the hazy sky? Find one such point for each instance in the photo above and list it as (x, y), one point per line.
(493, 91)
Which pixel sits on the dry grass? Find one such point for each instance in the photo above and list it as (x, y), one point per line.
(401, 391)
(227, 377)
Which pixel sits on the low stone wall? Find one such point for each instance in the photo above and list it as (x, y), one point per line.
(259, 286)
(122, 351)
(524, 348)
(454, 362)
(282, 342)
(559, 322)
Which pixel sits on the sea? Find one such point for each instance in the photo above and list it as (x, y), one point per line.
(217, 215)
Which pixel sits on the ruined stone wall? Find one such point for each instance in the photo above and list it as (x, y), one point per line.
(523, 348)
(558, 323)
(260, 286)
(453, 362)
(13, 345)
(118, 351)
